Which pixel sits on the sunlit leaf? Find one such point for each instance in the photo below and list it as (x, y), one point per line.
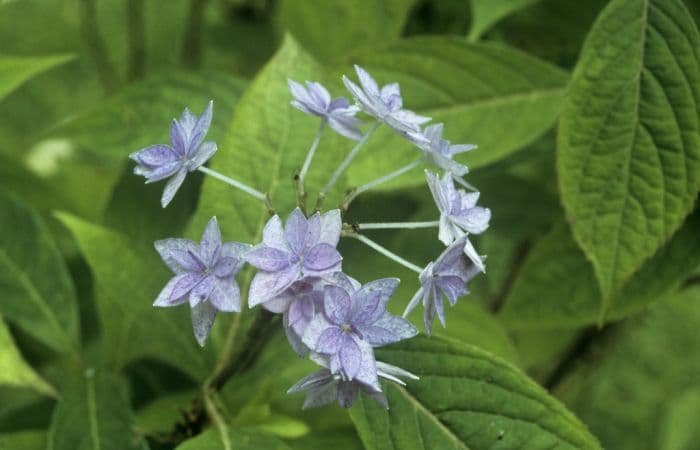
(15, 70)
(14, 370)
(485, 13)
(629, 136)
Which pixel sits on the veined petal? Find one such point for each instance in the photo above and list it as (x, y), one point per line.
(226, 295)
(201, 291)
(367, 82)
(178, 138)
(170, 250)
(234, 250)
(337, 305)
(203, 316)
(331, 226)
(322, 257)
(154, 156)
(350, 356)
(345, 126)
(369, 303)
(267, 285)
(313, 332)
(388, 329)
(210, 244)
(475, 220)
(175, 292)
(294, 338)
(200, 129)
(330, 341)
(164, 171)
(347, 393)
(267, 258)
(172, 186)
(295, 231)
(367, 374)
(319, 93)
(202, 155)
(273, 234)
(445, 233)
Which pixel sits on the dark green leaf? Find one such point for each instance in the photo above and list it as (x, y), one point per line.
(37, 292)
(93, 414)
(485, 13)
(23, 440)
(14, 370)
(366, 23)
(629, 137)
(15, 70)
(465, 399)
(128, 277)
(557, 288)
(239, 440)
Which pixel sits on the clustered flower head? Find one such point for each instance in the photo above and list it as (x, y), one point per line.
(327, 315)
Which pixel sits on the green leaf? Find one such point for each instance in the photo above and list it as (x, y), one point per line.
(93, 414)
(629, 136)
(485, 13)
(23, 440)
(556, 286)
(465, 399)
(14, 370)
(15, 70)
(239, 439)
(454, 82)
(128, 277)
(323, 440)
(140, 115)
(678, 428)
(365, 24)
(646, 365)
(38, 294)
(265, 145)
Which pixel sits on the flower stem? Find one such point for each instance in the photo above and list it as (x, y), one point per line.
(389, 254)
(461, 181)
(398, 225)
(237, 184)
(366, 187)
(344, 165)
(299, 180)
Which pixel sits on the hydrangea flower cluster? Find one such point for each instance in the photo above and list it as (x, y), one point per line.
(327, 315)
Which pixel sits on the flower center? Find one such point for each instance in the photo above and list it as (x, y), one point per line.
(347, 328)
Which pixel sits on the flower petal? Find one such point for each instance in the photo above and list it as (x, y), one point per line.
(367, 82)
(330, 341)
(226, 295)
(164, 171)
(313, 332)
(322, 257)
(350, 357)
(201, 291)
(337, 304)
(203, 316)
(171, 250)
(154, 156)
(345, 126)
(331, 226)
(295, 231)
(175, 292)
(178, 138)
(273, 234)
(369, 303)
(388, 329)
(367, 374)
(267, 285)
(172, 187)
(267, 258)
(200, 129)
(294, 338)
(347, 393)
(202, 155)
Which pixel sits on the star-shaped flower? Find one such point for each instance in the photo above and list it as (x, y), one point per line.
(304, 247)
(324, 387)
(384, 104)
(447, 276)
(316, 100)
(204, 276)
(352, 322)
(458, 211)
(438, 151)
(186, 153)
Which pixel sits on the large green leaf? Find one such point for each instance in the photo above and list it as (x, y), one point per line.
(93, 414)
(23, 440)
(364, 23)
(465, 399)
(485, 13)
(644, 370)
(14, 370)
(15, 70)
(678, 428)
(556, 286)
(128, 276)
(239, 440)
(264, 147)
(486, 94)
(629, 136)
(37, 292)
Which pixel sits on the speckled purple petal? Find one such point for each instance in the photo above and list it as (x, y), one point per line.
(337, 305)
(210, 244)
(166, 249)
(203, 316)
(154, 156)
(266, 285)
(330, 341)
(369, 303)
(176, 290)
(202, 290)
(200, 129)
(273, 234)
(268, 258)
(322, 257)
(295, 231)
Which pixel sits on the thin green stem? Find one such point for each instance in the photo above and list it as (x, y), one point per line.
(384, 251)
(397, 225)
(344, 165)
(136, 38)
(97, 47)
(237, 184)
(390, 176)
(311, 152)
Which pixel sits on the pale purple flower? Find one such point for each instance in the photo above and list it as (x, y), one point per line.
(186, 153)
(458, 211)
(324, 387)
(384, 104)
(446, 277)
(438, 151)
(316, 100)
(352, 322)
(204, 276)
(303, 248)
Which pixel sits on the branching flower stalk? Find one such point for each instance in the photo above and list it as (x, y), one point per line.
(299, 280)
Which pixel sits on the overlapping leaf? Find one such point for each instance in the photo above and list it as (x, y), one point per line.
(14, 370)
(15, 70)
(629, 137)
(485, 13)
(37, 292)
(465, 399)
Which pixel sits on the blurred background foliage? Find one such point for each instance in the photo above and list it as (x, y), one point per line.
(85, 82)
